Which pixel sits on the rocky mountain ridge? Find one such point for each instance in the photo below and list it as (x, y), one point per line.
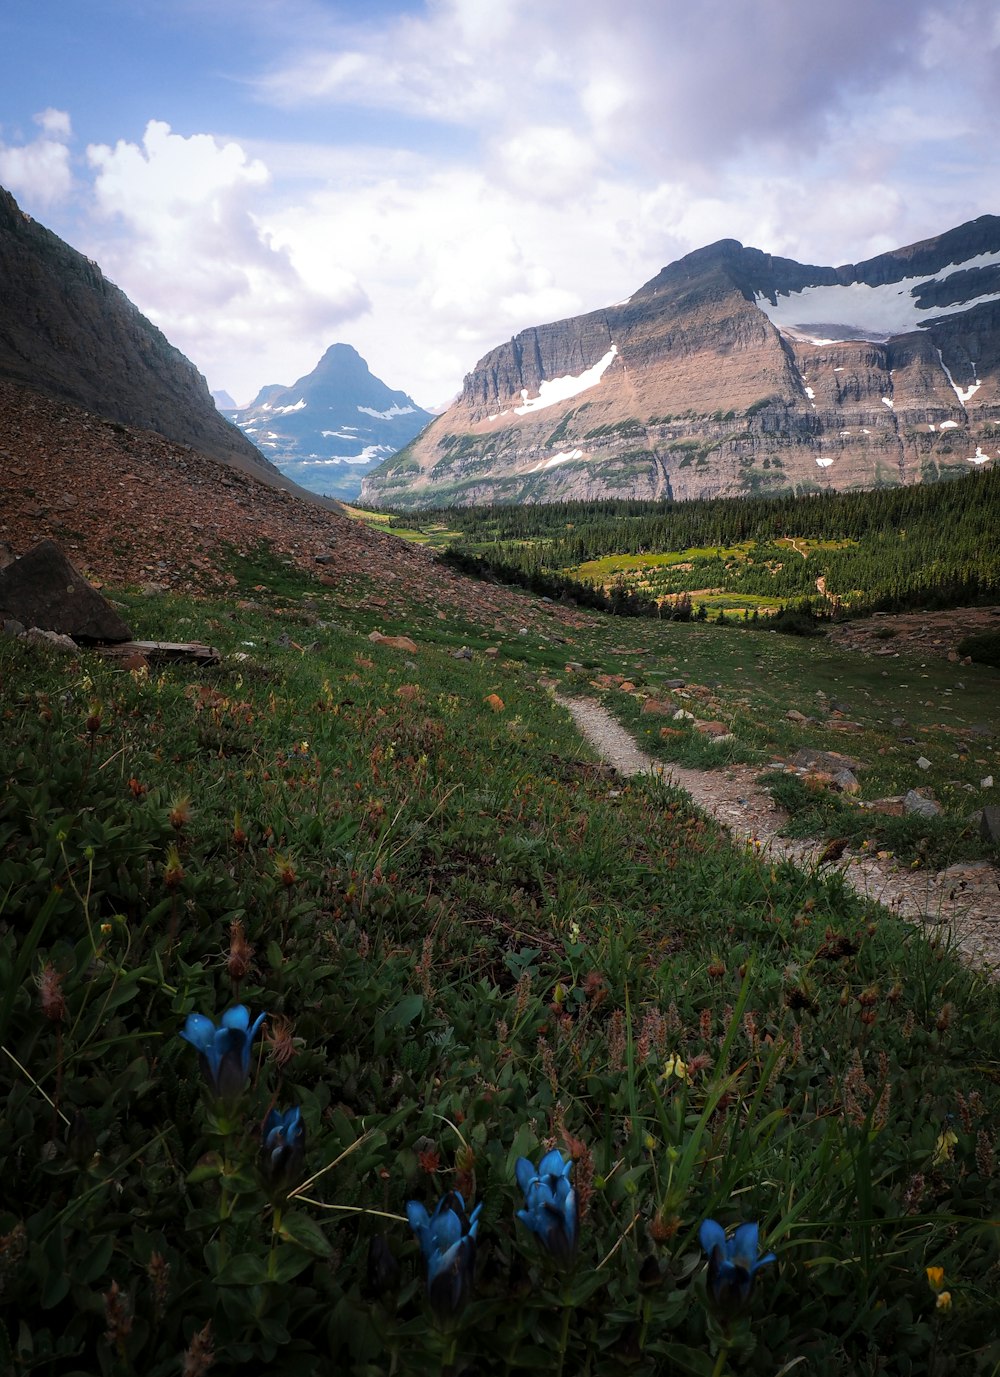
(333, 425)
(67, 332)
(733, 372)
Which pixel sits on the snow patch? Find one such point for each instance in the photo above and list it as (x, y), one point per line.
(300, 405)
(388, 415)
(979, 457)
(949, 425)
(962, 393)
(810, 393)
(554, 390)
(566, 457)
(824, 463)
(863, 312)
(887, 401)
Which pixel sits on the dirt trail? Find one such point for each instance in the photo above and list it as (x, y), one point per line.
(965, 897)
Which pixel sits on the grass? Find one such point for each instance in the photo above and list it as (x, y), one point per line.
(471, 945)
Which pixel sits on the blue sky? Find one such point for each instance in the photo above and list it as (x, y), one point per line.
(424, 178)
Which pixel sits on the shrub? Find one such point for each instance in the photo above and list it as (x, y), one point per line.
(983, 647)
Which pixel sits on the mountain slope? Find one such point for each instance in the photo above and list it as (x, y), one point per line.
(68, 332)
(733, 372)
(332, 426)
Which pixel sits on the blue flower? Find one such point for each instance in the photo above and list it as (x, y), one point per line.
(283, 1147)
(224, 1052)
(732, 1264)
(550, 1210)
(448, 1241)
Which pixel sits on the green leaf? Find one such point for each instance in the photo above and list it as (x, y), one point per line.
(302, 1229)
(404, 1012)
(245, 1270)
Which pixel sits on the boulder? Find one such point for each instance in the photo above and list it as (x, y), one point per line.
(921, 806)
(989, 824)
(833, 761)
(43, 590)
(395, 642)
(659, 707)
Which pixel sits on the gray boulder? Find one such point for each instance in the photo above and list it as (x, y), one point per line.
(42, 589)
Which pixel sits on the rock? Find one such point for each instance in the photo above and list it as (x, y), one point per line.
(921, 806)
(574, 667)
(464, 653)
(793, 715)
(43, 590)
(986, 783)
(667, 732)
(37, 636)
(659, 707)
(842, 725)
(396, 642)
(609, 680)
(494, 702)
(833, 761)
(716, 730)
(989, 824)
(923, 763)
(324, 559)
(682, 715)
(153, 590)
(674, 683)
(491, 652)
(846, 781)
(11, 627)
(889, 807)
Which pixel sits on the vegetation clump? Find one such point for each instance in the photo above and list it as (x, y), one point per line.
(308, 959)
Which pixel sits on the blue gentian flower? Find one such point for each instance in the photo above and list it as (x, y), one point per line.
(283, 1147)
(448, 1242)
(732, 1264)
(550, 1210)
(224, 1052)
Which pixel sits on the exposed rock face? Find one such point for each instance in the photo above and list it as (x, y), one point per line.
(68, 332)
(333, 426)
(733, 372)
(43, 589)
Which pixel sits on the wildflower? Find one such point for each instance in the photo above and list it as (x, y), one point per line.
(675, 1066)
(283, 1147)
(944, 1147)
(732, 1265)
(224, 1052)
(550, 1203)
(448, 1242)
(935, 1278)
(943, 1301)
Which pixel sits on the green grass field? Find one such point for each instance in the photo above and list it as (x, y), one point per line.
(472, 945)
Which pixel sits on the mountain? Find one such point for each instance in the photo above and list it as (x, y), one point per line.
(224, 401)
(733, 372)
(331, 427)
(67, 332)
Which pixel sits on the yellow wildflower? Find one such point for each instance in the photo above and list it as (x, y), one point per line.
(944, 1148)
(943, 1301)
(675, 1066)
(935, 1278)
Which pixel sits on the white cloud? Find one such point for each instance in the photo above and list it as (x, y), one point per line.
(39, 172)
(195, 258)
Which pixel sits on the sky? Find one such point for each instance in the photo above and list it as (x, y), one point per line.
(422, 179)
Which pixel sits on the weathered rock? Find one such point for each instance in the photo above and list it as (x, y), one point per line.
(920, 805)
(394, 642)
(715, 730)
(846, 781)
(833, 761)
(659, 707)
(38, 636)
(42, 589)
(923, 763)
(989, 824)
(793, 715)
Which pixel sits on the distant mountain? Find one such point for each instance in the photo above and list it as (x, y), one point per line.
(733, 372)
(331, 427)
(67, 332)
(223, 400)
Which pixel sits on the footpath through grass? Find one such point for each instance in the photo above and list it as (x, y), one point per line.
(471, 945)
